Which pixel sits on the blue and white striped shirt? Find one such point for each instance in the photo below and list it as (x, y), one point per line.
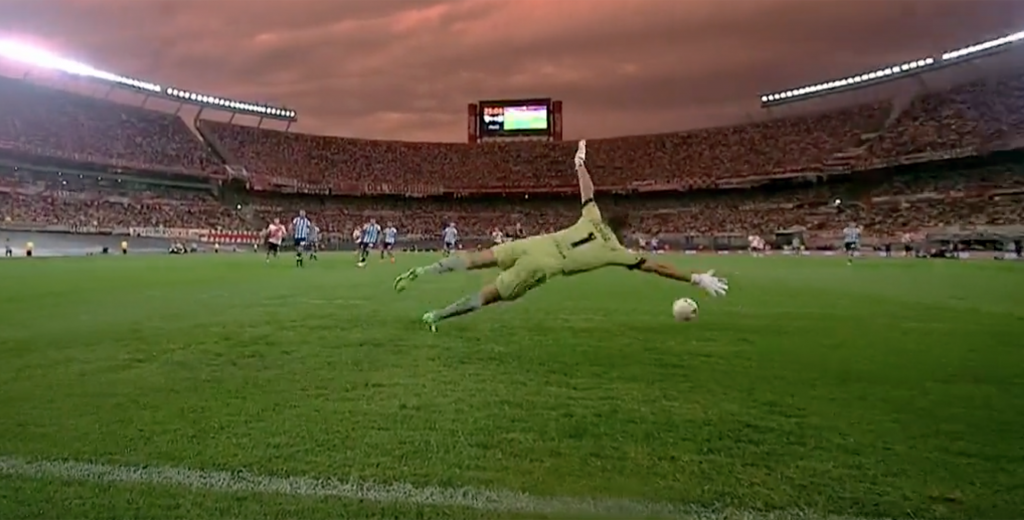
(371, 233)
(390, 235)
(851, 235)
(301, 227)
(450, 235)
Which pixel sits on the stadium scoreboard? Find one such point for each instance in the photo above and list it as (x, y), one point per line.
(539, 118)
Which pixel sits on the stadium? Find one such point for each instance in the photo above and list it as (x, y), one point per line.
(214, 385)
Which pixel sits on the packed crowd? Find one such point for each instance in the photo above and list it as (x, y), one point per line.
(86, 212)
(930, 196)
(698, 158)
(975, 115)
(42, 121)
(79, 201)
(903, 202)
(968, 117)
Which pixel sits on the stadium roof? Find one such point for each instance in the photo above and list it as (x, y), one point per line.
(912, 67)
(35, 57)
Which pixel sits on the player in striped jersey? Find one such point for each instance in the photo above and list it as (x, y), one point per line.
(368, 240)
(450, 236)
(593, 242)
(301, 227)
(851, 241)
(390, 237)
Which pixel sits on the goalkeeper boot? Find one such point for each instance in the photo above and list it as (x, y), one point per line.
(430, 319)
(403, 281)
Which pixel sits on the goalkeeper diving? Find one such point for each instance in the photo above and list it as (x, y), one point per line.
(592, 243)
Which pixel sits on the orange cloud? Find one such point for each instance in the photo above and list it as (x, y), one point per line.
(405, 69)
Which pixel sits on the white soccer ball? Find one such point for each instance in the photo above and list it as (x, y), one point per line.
(684, 309)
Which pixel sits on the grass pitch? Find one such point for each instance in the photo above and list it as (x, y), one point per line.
(894, 388)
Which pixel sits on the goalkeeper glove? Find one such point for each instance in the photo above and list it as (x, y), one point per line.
(711, 284)
(581, 154)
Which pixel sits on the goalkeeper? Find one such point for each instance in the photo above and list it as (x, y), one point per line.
(593, 242)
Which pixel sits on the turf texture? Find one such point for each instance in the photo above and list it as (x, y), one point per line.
(893, 388)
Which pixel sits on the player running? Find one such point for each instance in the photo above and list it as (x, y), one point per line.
(450, 236)
(313, 241)
(592, 243)
(756, 245)
(654, 245)
(274, 236)
(301, 227)
(390, 237)
(368, 240)
(851, 241)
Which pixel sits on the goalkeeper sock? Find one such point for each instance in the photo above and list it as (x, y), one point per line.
(463, 306)
(449, 264)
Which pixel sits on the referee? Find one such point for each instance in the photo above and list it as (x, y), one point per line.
(301, 227)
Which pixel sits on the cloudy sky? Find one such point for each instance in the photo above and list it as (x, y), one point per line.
(406, 69)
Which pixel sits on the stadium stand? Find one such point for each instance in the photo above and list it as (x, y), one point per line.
(49, 122)
(696, 159)
(131, 162)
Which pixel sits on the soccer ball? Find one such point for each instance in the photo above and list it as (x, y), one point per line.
(684, 309)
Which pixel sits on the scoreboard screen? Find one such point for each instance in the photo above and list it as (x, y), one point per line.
(515, 118)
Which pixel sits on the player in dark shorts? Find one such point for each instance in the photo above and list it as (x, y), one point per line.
(851, 241)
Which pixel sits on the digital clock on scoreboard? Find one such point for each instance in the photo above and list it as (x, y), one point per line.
(515, 118)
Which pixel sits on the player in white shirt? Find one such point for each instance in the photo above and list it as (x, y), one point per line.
(357, 235)
(274, 236)
(756, 245)
(851, 241)
(908, 244)
(653, 245)
(497, 236)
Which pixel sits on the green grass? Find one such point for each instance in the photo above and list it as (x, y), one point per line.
(889, 389)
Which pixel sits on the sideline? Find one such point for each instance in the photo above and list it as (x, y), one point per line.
(476, 498)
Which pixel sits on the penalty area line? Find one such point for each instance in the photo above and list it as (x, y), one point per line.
(503, 501)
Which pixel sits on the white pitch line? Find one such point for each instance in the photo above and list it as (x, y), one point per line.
(469, 497)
